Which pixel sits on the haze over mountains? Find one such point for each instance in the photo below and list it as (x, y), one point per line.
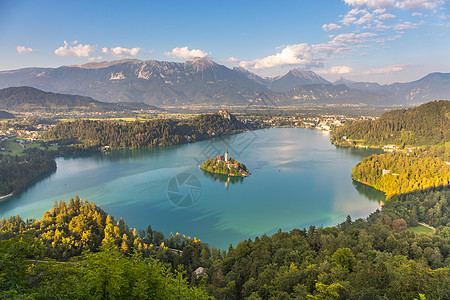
(30, 99)
(204, 82)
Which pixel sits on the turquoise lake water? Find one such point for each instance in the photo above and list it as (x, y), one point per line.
(298, 179)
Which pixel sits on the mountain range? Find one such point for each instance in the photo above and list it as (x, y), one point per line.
(204, 82)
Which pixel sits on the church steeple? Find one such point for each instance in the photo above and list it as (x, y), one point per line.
(226, 154)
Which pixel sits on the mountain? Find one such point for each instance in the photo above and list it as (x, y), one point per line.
(30, 99)
(201, 81)
(198, 80)
(335, 94)
(371, 86)
(434, 86)
(6, 115)
(294, 78)
(252, 76)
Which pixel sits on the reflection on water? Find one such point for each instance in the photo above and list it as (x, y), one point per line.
(369, 192)
(223, 178)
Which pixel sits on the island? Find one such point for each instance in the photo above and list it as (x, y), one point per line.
(225, 165)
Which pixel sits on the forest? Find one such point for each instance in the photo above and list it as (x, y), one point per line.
(420, 158)
(79, 251)
(399, 173)
(427, 124)
(16, 172)
(154, 133)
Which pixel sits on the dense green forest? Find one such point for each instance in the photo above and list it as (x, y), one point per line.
(400, 173)
(428, 124)
(99, 257)
(16, 172)
(161, 132)
(214, 165)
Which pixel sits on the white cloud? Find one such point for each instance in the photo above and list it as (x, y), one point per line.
(95, 58)
(402, 4)
(331, 26)
(339, 70)
(419, 4)
(386, 16)
(232, 60)
(120, 51)
(184, 52)
(351, 16)
(389, 69)
(104, 50)
(342, 43)
(406, 25)
(22, 49)
(298, 54)
(417, 14)
(371, 3)
(79, 50)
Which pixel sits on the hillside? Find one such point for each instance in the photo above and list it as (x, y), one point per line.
(404, 169)
(6, 115)
(428, 124)
(373, 258)
(28, 99)
(153, 133)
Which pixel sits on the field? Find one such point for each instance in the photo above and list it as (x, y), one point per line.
(420, 229)
(13, 148)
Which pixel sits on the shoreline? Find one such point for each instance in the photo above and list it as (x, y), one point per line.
(3, 198)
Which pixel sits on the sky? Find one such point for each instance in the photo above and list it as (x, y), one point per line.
(381, 41)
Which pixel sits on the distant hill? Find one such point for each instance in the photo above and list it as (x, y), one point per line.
(371, 86)
(204, 82)
(6, 115)
(31, 99)
(427, 124)
(335, 94)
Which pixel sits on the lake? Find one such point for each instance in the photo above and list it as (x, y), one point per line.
(298, 179)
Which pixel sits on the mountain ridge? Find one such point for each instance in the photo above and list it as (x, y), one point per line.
(201, 81)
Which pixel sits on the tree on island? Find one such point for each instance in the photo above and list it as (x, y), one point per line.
(225, 165)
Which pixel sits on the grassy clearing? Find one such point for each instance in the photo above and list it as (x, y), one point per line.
(421, 229)
(13, 148)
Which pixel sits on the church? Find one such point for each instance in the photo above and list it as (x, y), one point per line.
(224, 157)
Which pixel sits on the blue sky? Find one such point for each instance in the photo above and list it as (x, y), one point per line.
(363, 40)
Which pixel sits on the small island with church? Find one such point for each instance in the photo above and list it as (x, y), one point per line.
(225, 165)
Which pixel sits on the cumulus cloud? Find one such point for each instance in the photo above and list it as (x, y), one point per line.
(298, 54)
(22, 49)
(419, 4)
(402, 4)
(371, 3)
(342, 43)
(75, 49)
(184, 52)
(336, 70)
(331, 26)
(120, 51)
